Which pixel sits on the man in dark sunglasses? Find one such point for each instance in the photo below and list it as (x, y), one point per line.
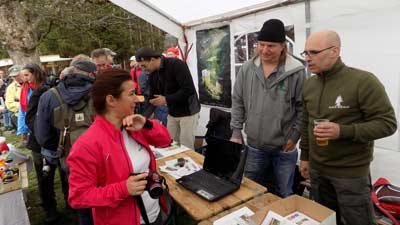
(359, 111)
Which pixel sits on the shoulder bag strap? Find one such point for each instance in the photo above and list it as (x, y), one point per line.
(55, 91)
(142, 209)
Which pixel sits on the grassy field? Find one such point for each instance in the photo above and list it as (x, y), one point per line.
(67, 217)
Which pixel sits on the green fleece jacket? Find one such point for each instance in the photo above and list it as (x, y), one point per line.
(357, 101)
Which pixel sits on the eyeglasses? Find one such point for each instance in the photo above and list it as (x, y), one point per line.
(312, 53)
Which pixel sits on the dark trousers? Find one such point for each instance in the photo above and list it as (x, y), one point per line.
(46, 184)
(14, 120)
(85, 216)
(349, 197)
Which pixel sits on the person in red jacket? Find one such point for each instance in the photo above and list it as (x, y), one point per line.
(114, 147)
(135, 72)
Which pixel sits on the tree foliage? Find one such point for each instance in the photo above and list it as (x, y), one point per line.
(70, 27)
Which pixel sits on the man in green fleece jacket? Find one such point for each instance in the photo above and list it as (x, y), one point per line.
(267, 98)
(359, 111)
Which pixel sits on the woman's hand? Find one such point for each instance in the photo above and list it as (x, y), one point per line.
(134, 122)
(136, 184)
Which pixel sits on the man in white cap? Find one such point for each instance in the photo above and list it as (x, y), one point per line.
(13, 93)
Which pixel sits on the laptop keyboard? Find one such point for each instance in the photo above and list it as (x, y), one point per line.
(202, 179)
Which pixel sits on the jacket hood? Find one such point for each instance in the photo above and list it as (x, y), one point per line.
(292, 65)
(74, 87)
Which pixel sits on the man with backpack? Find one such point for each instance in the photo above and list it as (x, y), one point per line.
(64, 112)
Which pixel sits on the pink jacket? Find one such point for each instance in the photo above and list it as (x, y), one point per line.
(99, 166)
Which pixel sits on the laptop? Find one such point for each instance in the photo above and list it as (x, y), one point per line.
(222, 171)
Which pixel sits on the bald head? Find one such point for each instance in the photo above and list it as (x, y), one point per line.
(327, 38)
(322, 50)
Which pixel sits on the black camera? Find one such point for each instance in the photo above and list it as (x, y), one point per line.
(154, 184)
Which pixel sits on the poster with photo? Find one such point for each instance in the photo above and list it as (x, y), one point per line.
(246, 46)
(214, 66)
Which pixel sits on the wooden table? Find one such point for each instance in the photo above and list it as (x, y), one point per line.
(254, 205)
(199, 208)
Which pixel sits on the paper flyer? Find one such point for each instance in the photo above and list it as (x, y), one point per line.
(295, 218)
(173, 149)
(238, 217)
(180, 167)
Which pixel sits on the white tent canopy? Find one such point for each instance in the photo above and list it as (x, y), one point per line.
(369, 34)
(174, 15)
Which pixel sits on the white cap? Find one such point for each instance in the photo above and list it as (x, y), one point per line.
(133, 58)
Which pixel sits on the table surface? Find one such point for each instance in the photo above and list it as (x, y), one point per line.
(199, 208)
(255, 205)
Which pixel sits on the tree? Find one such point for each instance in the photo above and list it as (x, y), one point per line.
(70, 27)
(18, 30)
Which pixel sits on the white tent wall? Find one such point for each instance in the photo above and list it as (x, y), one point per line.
(370, 41)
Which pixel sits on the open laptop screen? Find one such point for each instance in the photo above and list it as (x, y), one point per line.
(225, 159)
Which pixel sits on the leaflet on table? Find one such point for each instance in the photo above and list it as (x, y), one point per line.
(177, 169)
(296, 218)
(238, 217)
(172, 149)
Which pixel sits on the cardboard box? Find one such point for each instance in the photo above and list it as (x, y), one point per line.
(294, 203)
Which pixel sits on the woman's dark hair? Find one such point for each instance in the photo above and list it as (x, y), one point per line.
(108, 82)
(39, 75)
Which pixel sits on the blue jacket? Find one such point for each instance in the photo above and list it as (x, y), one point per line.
(22, 128)
(72, 89)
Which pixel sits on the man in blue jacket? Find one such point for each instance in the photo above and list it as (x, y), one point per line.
(72, 88)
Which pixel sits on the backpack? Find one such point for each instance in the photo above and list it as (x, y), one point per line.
(386, 198)
(72, 121)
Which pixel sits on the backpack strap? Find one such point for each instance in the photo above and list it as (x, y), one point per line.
(384, 211)
(55, 91)
(380, 182)
(65, 131)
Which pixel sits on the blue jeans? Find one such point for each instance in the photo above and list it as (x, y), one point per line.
(6, 118)
(161, 114)
(283, 163)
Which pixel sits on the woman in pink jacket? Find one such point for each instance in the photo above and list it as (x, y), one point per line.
(115, 146)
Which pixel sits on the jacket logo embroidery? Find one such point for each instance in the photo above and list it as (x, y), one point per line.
(338, 104)
(282, 87)
(79, 117)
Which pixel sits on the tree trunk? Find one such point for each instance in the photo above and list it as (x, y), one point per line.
(19, 33)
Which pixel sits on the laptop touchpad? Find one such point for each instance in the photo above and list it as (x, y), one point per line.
(205, 194)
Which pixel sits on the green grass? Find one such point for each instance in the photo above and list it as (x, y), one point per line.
(36, 212)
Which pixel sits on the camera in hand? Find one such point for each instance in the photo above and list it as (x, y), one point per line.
(154, 184)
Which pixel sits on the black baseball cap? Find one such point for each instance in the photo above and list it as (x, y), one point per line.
(146, 52)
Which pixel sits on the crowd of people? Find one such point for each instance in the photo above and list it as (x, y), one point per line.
(93, 127)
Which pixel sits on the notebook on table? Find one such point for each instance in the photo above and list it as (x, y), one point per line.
(222, 171)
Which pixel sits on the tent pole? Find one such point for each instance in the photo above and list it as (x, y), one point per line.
(308, 17)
